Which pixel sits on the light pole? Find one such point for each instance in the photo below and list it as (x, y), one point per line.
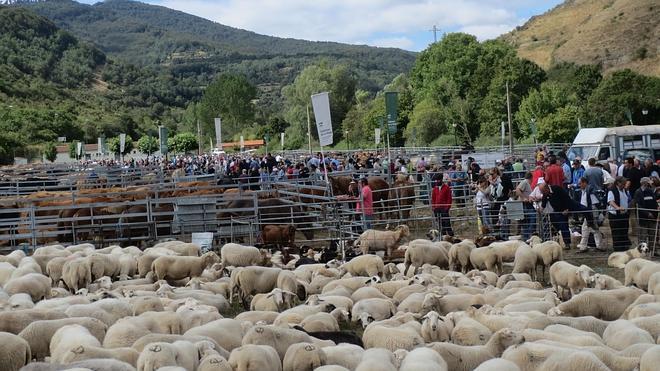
(644, 113)
(455, 138)
(348, 141)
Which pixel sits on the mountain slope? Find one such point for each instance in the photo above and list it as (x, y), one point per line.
(617, 34)
(154, 35)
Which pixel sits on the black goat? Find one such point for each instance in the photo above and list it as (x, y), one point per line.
(336, 336)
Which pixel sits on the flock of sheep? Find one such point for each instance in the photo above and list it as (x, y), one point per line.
(448, 306)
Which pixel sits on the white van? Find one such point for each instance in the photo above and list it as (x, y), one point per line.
(641, 142)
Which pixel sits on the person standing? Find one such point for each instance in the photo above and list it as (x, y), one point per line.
(647, 210)
(562, 204)
(617, 200)
(590, 201)
(594, 175)
(554, 174)
(482, 202)
(441, 203)
(366, 206)
(458, 178)
(524, 190)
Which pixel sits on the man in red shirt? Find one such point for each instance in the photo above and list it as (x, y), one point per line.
(554, 174)
(441, 203)
(366, 206)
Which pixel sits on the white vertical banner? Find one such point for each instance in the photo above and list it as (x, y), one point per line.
(242, 144)
(282, 139)
(503, 131)
(79, 149)
(321, 105)
(377, 135)
(99, 146)
(218, 133)
(122, 143)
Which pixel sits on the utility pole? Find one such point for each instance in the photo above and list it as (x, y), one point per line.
(508, 112)
(309, 132)
(199, 139)
(435, 31)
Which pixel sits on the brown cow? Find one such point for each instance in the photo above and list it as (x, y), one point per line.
(279, 235)
(402, 197)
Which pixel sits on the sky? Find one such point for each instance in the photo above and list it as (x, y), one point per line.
(404, 24)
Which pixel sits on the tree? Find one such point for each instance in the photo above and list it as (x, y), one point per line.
(427, 123)
(182, 143)
(560, 126)
(73, 150)
(50, 151)
(540, 103)
(230, 98)
(338, 80)
(147, 144)
(114, 145)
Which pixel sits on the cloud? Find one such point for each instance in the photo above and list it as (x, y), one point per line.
(352, 21)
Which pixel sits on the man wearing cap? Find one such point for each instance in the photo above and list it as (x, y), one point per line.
(647, 209)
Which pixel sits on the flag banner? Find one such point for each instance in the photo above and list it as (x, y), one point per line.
(162, 136)
(242, 144)
(218, 133)
(321, 105)
(122, 143)
(377, 135)
(79, 149)
(282, 139)
(392, 108)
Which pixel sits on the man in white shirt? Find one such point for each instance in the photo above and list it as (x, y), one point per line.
(590, 201)
(617, 201)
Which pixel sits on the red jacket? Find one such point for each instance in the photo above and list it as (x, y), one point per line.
(554, 175)
(441, 197)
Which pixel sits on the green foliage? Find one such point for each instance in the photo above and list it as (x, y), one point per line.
(560, 126)
(182, 143)
(73, 150)
(148, 144)
(230, 98)
(577, 80)
(624, 90)
(114, 145)
(427, 122)
(539, 104)
(337, 80)
(50, 151)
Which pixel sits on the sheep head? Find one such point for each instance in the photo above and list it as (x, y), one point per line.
(432, 319)
(366, 318)
(430, 302)
(402, 231)
(534, 241)
(509, 337)
(210, 258)
(555, 312)
(373, 280)
(584, 273)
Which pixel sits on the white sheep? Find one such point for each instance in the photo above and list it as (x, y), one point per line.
(276, 301)
(255, 357)
(38, 334)
(377, 360)
(567, 276)
(621, 334)
(423, 359)
(467, 331)
(506, 278)
(654, 284)
(605, 282)
(650, 359)
(435, 327)
(373, 240)
(364, 265)
(537, 356)
(235, 255)
(525, 260)
(638, 271)
(13, 258)
(392, 336)
(252, 280)
(180, 267)
(35, 284)
(497, 364)
(547, 253)
(420, 252)
(6, 270)
(369, 310)
(69, 337)
(459, 255)
(467, 358)
(157, 355)
(486, 258)
(15, 352)
(303, 357)
(618, 259)
(608, 305)
(277, 337)
(324, 322)
(368, 292)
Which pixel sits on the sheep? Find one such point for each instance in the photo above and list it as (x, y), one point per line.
(252, 280)
(180, 267)
(467, 331)
(497, 364)
(391, 336)
(252, 357)
(142, 304)
(276, 301)
(226, 332)
(420, 252)
(287, 280)
(573, 340)
(487, 277)
(638, 271)
(126, 331)
(621, 334)
(351, 284)
(277, 337)
(605, 282)
(541, 305)
(525, 261)
(38, 334)
(69, 337)
(567, 276)
(537, 356)
(344, 355)
(374, 309)
(15, 321)
(650, 324)
(20, 301)
(459, 255)
(35, 284)
(616, 361)
(506, 278)
(157, 355)
(373, 240)
(15, 352)
(642, 310)
(412, 303)
(364, 265)
(654, 284)
(142, 342)
(607, 305)
(212, 361)
(303, 356)
(650, 359)
(377, 360)
(324, 322)
(181, 248)
(103, 265)
(467, 358)
(486, 258)
(444, 304)
(235, 255)
(13, 258)
(257, 316)
(368, 292)
(6, 270)
(423, 359)
(77, 274)
(618, 259)
(337, 300)
(548, 253)
(435, 327)
(84, 352)
(299, 313)
(106, 310)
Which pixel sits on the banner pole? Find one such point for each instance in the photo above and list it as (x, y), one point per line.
(325, 169)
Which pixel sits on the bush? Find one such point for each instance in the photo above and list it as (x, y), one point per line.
(50, 151)
(182, 143)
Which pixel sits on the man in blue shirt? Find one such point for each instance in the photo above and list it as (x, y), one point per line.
(458, 178)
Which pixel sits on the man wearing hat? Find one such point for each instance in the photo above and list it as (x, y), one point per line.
(647, 209)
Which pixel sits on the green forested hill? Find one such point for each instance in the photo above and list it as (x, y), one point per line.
(145, 34)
